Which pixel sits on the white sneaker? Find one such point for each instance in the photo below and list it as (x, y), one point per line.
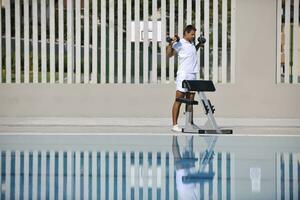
(176, 128)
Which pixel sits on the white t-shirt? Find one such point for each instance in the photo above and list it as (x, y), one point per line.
(187, 57)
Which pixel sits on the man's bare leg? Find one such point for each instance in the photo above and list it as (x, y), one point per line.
(176, 107)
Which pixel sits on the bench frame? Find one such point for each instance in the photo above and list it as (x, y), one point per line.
(210, 127)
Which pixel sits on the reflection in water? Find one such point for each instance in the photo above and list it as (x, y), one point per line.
(166, 168)
(148, 173)
(149, 167)
(288, 175)
(207, 179)
(185, 169)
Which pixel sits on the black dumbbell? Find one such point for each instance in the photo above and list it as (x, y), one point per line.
(201, 39)
(169, 39)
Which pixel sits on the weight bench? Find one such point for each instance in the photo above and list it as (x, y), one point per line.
(202, 175)
(188, 161)
(210, 127)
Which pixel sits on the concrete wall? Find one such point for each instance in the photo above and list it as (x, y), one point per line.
(254, 95)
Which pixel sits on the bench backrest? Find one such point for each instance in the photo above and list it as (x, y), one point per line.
(199, 85)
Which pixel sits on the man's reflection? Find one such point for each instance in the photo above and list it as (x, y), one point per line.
(184, 165)
(187, 176)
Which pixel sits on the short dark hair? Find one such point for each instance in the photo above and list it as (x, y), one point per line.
(188, 29)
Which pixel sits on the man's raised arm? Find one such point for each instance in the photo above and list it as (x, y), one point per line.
(170, 51)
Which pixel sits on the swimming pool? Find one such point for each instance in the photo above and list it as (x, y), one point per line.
(126, 166)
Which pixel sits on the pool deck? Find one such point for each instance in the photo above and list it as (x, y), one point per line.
(84, 125)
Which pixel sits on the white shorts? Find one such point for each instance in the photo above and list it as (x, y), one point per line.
(181, 77)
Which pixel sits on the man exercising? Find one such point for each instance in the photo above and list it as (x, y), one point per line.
(187, 70)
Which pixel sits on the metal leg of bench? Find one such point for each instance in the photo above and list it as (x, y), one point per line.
(210, 117)
(188, 127)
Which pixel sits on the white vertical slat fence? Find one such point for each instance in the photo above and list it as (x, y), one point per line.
(124, 42)
(287, 68)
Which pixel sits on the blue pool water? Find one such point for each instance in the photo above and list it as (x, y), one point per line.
(149, 167)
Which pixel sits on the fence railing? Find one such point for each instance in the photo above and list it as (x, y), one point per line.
(288, 70)
(110, 41)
